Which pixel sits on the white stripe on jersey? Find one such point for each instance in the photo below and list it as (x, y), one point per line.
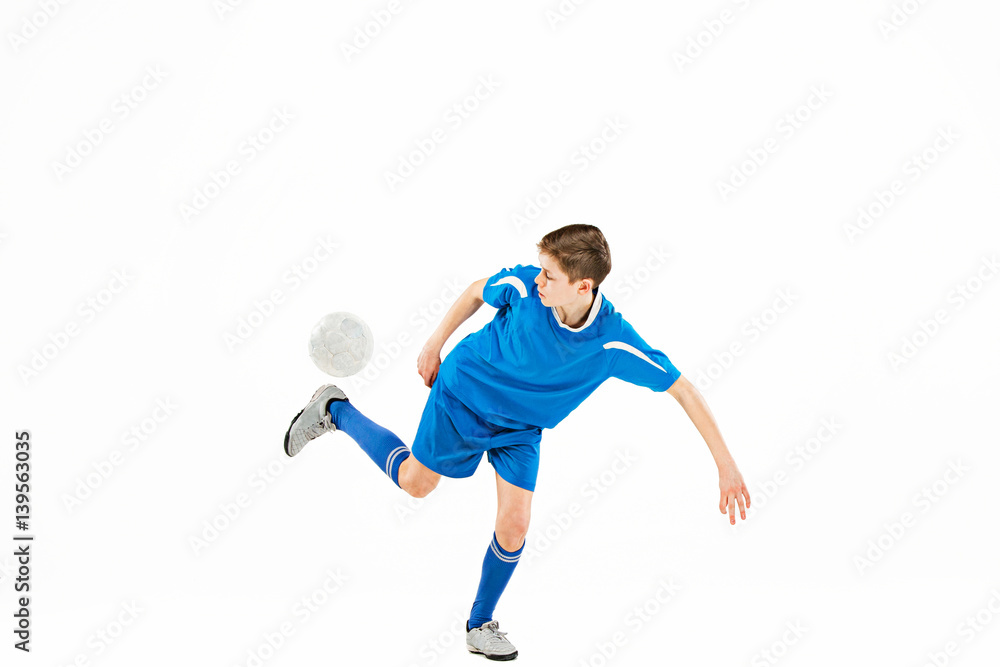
(516, 282)
(618, 345)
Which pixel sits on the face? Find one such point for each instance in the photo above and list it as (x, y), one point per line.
(554, 287)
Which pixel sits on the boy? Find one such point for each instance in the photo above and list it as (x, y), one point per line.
(554, 339)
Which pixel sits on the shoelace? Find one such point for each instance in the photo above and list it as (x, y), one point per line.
(320, 427)
(495, 631)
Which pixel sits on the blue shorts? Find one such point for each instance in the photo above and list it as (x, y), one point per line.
(451, 440)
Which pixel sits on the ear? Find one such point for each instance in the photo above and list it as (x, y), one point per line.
(586, 286)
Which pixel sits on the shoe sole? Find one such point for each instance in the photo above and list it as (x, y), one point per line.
(288, 433)
(315, 395)
(509, 656)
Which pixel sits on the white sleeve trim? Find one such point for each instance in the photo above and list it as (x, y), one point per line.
(618, 345)
(516, 282)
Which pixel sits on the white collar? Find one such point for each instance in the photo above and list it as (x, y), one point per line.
(594, 309)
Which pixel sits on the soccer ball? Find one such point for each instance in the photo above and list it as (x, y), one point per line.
(341, 344)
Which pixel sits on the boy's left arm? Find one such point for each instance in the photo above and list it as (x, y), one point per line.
(732, 488)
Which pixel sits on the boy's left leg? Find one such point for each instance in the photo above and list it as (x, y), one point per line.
(513, 516)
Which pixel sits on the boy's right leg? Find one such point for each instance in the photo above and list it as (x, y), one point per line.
(383, 447)
(329, 410)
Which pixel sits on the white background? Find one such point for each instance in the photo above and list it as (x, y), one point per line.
(187, 281)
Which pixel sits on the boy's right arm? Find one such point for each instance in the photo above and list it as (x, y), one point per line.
(464, 307)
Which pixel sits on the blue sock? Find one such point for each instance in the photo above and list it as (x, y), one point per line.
(498, 566)
(379, 443)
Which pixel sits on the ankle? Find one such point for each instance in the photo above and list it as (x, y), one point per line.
(334, 407)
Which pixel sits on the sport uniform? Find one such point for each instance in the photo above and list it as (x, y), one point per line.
(524, 371)
(495, 392)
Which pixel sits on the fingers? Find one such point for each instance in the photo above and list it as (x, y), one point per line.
(429, 375)
(732, 496)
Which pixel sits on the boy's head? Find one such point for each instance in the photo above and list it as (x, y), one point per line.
(574, 260)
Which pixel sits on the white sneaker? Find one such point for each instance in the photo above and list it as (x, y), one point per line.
(487, 640)
(313, 420)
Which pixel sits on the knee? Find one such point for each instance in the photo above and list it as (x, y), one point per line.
(511, 529)
(418, 486)
(421, 489)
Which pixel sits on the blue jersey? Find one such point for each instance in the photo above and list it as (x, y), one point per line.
(527, 369)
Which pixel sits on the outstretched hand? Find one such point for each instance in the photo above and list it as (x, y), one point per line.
(428, 363)
(732, 490)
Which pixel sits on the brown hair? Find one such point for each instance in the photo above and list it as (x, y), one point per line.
(581, 251)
